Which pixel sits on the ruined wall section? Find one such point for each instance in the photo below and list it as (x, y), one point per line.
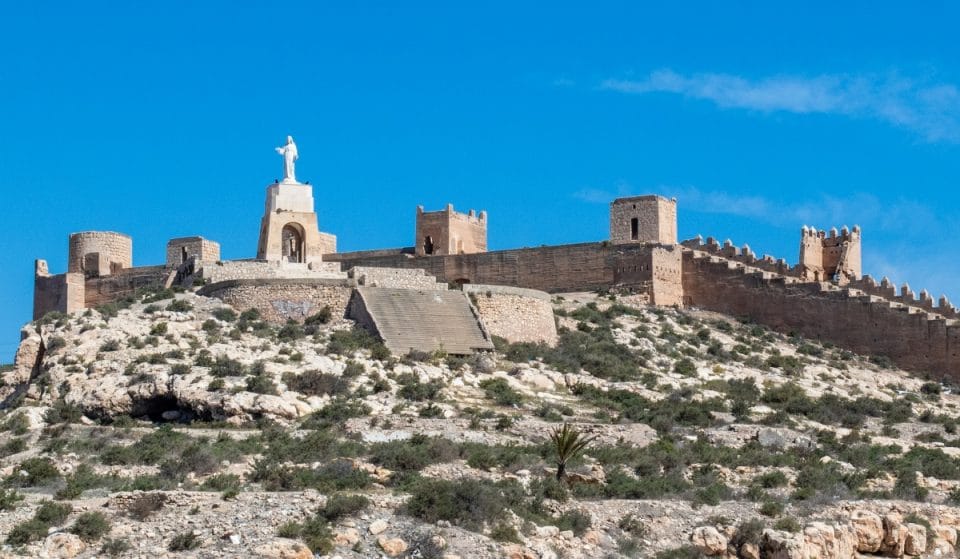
(450, 232)
(62, 292)
(280, 300)
(99, 253)
(399, 278)
(182, 249)
(914, 339)
(107, 289)
(515, 314)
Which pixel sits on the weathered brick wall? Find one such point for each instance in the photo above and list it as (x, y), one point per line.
(115, 251)
(279, 300)
(515, 314)
(913, 339)
(667, 264)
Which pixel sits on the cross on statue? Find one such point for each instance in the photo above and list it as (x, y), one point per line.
(289, 153)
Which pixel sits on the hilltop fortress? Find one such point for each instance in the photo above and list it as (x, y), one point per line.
(449, 291)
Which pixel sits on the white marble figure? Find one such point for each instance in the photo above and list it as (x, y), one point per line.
(289, 153)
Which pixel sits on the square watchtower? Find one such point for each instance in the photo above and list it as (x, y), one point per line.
(643, 219)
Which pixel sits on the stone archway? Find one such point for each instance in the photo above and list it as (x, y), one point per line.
(292, 248)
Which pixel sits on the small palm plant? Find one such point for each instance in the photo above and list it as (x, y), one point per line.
(568, 442)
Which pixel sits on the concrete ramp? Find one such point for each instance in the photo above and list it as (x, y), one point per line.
(424, 320)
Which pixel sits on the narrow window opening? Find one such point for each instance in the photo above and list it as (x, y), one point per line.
(634, 229)
(428, 245)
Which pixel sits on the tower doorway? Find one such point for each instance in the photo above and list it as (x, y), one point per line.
(292, 243)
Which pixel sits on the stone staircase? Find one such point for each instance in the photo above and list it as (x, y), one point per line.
(424, 320)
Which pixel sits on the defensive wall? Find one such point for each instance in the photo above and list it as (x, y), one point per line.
(280, 300)
(513, 313)
(650, 268)
(913, 338)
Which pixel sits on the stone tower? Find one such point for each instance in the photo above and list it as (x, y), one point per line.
(288, 230)
(450, 232)
(834, 257)
(643, 219)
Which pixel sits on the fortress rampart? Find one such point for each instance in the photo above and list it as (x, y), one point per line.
(912, 337)
(297, 272)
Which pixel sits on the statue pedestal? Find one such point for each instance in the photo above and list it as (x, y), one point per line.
(292, 197)
(288, 230)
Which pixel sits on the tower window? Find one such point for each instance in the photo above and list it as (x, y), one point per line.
(634, 229)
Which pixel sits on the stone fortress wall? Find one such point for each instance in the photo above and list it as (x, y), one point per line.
(513, 313)
(450, 232)
(99, 253)
(823, 296)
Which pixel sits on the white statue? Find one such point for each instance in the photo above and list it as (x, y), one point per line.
(289, 153)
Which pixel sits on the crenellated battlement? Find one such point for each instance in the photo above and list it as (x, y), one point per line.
(743, 254)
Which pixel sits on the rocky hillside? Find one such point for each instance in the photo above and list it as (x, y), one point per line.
(174, 426)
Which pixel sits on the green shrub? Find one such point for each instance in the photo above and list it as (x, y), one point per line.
(179, 305)
(467, 503)
(503, 532)
(90, 526)
(685, 367)
(577, 521)
(338, 411)
(159, 329)
(413, 454)
(683, 552)
(184, 541)
(224, 366)
(417, 391)
(340, 505)
(315, 532)
(290, 331)
(348, 341)
(110, 345)
(316, 383)
(225, 314)
(788, 524)
(500, 391)
(114, 547)
(27, 531)
(771, 508)
(9, 499)
(53, 513)
(261, 384)
(143, 506)
(34, 472)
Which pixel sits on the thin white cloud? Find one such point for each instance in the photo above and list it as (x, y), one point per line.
(929, 109)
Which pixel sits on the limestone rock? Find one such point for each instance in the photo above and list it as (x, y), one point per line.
(347, 536)
(894, 535)
(776, 544)
(283, 549)
(62, 545)
(868, 527)
(709, 540)
(392, 546)
(915, 542)
(378, 527)
(750, 551)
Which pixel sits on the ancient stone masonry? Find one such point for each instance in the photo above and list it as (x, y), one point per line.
(450, 232)
(279, 300)
(833, 257)
(914, 339)
(99, 253)
(182, 249)
(643, 219)
(515, 314)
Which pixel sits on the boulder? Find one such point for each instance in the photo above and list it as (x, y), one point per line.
(894, 535)
(750, 551)
(378, 526)
(868, 527)
(915, 542)
(776, 544)
(347, 536)
(392, 546)
(283, 549)
(709, 540)
(61, 545)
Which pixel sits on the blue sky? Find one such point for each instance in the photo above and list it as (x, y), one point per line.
(159, 120)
